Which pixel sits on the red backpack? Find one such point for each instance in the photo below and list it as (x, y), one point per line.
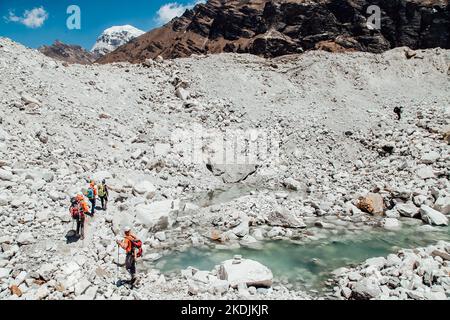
(74, 211)
(136, 245)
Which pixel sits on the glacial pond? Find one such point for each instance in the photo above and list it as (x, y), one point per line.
(308, 265)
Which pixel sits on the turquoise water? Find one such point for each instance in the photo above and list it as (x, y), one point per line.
(308, 265)
(228, 194)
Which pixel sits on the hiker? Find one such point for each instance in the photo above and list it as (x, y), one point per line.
(91, 195)
(103, 194)
(133, 247)
(77, 212)
(398, 112)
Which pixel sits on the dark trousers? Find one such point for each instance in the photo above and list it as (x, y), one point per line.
(92, 206)
(104, 201)
(130, 264)
(80, 226)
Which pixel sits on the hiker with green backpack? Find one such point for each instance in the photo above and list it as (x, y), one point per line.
(103, 194)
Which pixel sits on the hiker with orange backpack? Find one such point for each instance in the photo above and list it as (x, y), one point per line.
(133, 247)
(91, 195)
(77, 211)
(84, 206)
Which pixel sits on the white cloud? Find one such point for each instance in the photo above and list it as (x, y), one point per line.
(33, 18)
(174, 9)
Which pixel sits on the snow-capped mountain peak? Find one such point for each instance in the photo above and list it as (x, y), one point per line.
(114, 37)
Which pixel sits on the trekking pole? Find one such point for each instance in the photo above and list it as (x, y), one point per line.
(117, 270)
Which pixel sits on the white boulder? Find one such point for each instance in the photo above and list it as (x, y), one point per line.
(156, 216)
(25, 238)
(366, 288)
(4, 273)
(407, 210)
(4, 199)
(145, 187)
(425, 172)
(430, 157)
(442, 204)
(282, 217)
(82, 286)
(6, 175)
(432, 216)
(245, 271)
(243, 228)
(182, 94)
(292, 184)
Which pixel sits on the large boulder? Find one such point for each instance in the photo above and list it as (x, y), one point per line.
(425, 172)
(442, 204)
(145, 187)
(245, 271)
(282, 217)
(4, 273)
(292, 184)
(431, 216)
(6, 175)
(182, 94)
(407, 210)
(156, 216)
(5, 198)
(82, 286)
(372, 203)
(242, 229)
(366, 288)
(25, 238)
(430, 157)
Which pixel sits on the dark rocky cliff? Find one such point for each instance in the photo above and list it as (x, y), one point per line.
(274, 28)
(68, 53)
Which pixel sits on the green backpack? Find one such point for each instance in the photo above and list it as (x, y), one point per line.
(101, 190)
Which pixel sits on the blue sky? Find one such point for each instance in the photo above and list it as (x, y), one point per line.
(38, 22)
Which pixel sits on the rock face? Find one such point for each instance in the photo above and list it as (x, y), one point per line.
(68, 53)
(275, 28)
(245, 271)
(114, 37)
